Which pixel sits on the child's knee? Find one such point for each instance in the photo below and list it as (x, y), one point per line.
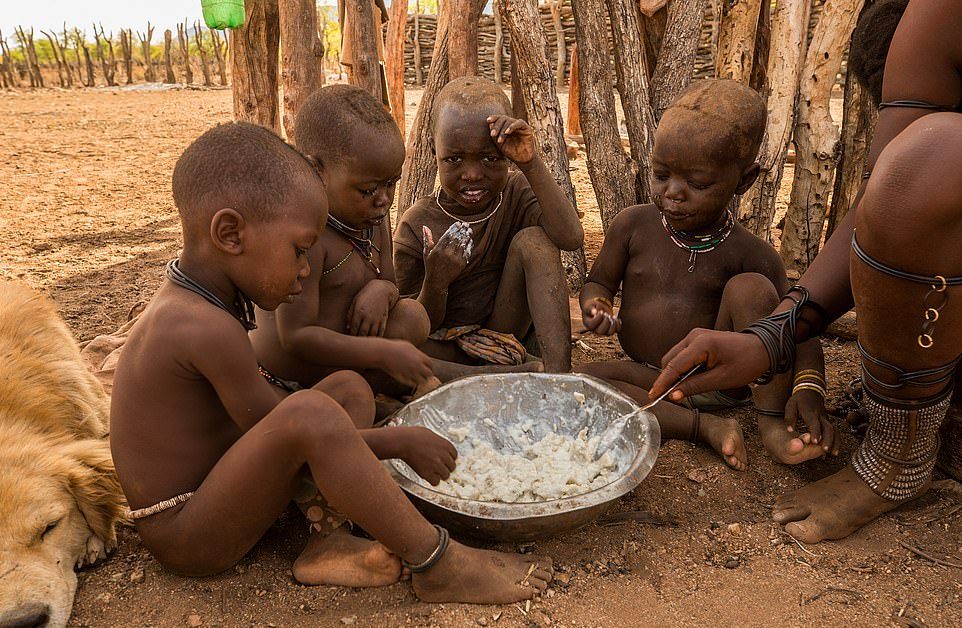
(753, 291)
(532, 245)
(409, 321)
(312, 416)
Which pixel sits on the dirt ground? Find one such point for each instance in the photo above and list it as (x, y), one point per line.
(86, 216)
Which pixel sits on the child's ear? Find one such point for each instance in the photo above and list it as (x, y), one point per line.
(749, 175)
(227, 231)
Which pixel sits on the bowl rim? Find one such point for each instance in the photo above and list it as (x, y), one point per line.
(639, 468)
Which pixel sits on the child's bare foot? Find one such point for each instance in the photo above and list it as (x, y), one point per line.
(345, 560)
(446, 371)
(784, 446)
(725, 437)
(466, 574)
(831, 508)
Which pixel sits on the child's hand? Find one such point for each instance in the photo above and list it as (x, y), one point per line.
(514, 137)
(445, 260)
(369, 312)
(405, 363)
(598, 317)
(809, 406)
(431, 456)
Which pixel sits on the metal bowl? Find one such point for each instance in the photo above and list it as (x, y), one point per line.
(489, 406)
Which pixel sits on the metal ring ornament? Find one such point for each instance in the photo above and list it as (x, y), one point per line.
(926, 341)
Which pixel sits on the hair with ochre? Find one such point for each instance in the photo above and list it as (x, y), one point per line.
(870, 44)
(238, 165)
(470, 94)
(729, 115)
(327, 124)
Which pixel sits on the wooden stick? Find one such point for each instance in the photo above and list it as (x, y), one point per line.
(927, 556)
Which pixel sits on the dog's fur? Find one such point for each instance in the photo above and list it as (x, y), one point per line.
(59, 496)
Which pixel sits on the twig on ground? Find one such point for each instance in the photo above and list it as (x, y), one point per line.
(951, 511)
(833, 589)
(927, 556)
(641, 516)
(804, 549)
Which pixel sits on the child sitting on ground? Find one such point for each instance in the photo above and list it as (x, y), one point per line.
(209, 454)
(685, 262)
(349, 315)
(481, 254)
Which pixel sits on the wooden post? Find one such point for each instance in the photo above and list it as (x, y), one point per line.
(763, 41)
(633, 90)
(183, 43)
(57, 52)
(105, 54)
(816, 134)
(463, 39)
(150, 75)
(365, 67)
(220, 52)
(80, 43)
(859, 115)
(254, 64)
(127, 49)
(610, 169)
(789, 31)
(9, 73)
(202, 52)
(498, 52)
(736, 43)
(676, 60)
(560, 47)
(418, 73)
(654, 25)
(30, 50)
(394, 60)
(169, 76)
(300, 66)
(518, 108)
(528, 43)
(574, 92)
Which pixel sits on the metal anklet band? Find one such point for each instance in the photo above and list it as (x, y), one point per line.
(777, 333)
(898, 453)
(443, 540)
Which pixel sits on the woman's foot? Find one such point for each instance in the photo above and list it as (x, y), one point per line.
(466, 574)
(784, 446)
(831, 508)
(725, 437)
(345, 560)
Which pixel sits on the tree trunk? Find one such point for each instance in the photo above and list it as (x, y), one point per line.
(365, 66)
(816, 134)
(80, 44)
(202, 52)
(498, 51)
(518, 109)
(394, 61)
(654, 34)
(544, 111)
(33, 61)
(183, 41)
(736, 43)
(105, 54)
(220, 52)
(633, 91)
(169, 76)
(858, 124)
(300, 69)
(560, 46)
(149, 75)
(254, 64)
(10, 74)
(127, 49)
(418, 72)
(574, 92)
(611, 171)
(789, 28)
(56, 52)
(763, 41)
(463, 39)
(676, 60)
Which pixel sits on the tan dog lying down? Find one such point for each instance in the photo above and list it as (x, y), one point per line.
(59, 498)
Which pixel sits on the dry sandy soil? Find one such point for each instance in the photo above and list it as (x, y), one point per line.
(86, 216)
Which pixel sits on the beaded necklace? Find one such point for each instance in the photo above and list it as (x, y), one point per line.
(697, 244)
(437, 199)
(243, 307)
(360, 240)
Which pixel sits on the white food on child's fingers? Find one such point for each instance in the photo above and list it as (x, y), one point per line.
(554, 467)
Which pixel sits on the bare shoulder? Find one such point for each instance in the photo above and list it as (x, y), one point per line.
(757, 255)
(637, 219)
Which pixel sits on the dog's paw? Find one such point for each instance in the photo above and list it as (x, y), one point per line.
(94, 552)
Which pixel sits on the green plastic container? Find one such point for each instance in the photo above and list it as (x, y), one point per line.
(221, 14)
